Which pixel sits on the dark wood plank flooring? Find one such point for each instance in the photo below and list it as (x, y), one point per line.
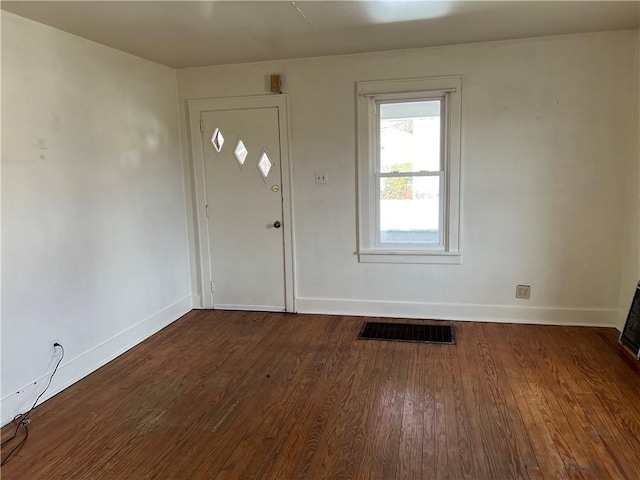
(241, 395)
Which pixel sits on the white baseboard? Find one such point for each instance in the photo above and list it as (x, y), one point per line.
(593, 317)
(74, 369)
(250, 308)
(197, 301)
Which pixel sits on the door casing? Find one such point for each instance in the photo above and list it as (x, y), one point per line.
(196, 108)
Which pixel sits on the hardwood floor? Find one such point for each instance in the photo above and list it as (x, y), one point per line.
(241, 395)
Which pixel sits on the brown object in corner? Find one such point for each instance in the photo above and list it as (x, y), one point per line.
(276, 84)
(630, 336)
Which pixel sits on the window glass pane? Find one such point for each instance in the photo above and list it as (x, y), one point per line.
(217, 139)
(410, 210)
(241, 152)
(410, 136)
(264, 165)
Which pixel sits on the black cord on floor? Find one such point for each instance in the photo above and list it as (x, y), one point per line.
(14, 433)
(17, 447)
(24, 417)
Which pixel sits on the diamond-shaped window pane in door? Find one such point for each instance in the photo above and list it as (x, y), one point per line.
(217, 140)
(241, 152)
(264, 165)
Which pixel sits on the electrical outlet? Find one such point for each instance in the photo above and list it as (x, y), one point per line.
(322, 177)
(523, 291)
(55, 350)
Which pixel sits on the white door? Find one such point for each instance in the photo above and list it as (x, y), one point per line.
(244, 205)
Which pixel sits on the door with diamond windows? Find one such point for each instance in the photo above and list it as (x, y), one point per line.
(244, 204)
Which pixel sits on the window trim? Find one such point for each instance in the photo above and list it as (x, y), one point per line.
(369, 95)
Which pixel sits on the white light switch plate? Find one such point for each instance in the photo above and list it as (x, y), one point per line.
(322, 177)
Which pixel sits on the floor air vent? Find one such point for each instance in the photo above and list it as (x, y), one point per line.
(405, 332)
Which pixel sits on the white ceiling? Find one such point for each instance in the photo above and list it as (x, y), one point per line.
(185, 33)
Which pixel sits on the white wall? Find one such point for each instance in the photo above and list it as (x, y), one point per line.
(547, 124)
(630, 267)
(94, 244)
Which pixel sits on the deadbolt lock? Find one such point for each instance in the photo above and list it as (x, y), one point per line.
(275, 188)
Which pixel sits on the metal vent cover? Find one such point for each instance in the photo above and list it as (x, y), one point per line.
(407, 332)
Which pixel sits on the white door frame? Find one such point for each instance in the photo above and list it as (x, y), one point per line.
(196, 108)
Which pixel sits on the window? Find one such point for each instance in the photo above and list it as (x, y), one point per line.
(409, 170)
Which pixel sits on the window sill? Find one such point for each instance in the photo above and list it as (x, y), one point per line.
(386, 256)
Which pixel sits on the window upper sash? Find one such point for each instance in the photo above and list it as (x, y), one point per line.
(378, 100)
